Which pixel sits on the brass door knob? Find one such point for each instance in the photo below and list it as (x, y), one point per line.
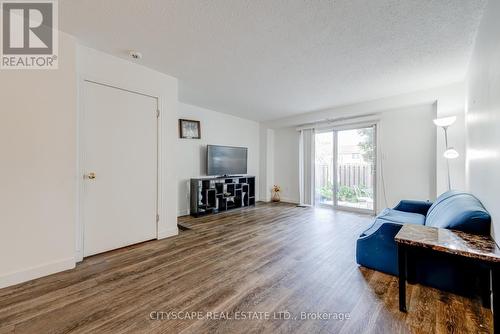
(91, 176)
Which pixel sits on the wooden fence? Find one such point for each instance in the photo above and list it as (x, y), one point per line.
(360, 175)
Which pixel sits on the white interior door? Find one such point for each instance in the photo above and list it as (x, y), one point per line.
(119, 146)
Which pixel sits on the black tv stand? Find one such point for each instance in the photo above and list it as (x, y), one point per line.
(215, 194)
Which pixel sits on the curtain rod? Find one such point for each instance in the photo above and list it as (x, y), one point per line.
(338, 121)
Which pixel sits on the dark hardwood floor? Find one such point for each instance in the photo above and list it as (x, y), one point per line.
(271, 258)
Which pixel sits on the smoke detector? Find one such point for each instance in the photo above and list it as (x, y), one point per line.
(135, 54)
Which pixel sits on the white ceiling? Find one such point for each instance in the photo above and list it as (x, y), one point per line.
(267, 59)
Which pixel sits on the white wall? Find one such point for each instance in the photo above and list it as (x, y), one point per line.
(428, 96)
(266, 163)
(38, 168)
(407, 152)
(104, 68)
(448, 100)
(407, 149)
(217, 129)
(483, 116)
(286, 163)
(38, 144)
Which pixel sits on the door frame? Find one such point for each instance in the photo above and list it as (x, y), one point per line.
(353, 126)
(79, 231)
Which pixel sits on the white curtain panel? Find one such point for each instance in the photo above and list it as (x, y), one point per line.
(306, 167)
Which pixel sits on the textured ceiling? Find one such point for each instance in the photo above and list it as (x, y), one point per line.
(267, 59)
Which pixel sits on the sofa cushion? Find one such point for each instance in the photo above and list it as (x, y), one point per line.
(402, 217)
(444, 196)
(395, 216)
(459, 211)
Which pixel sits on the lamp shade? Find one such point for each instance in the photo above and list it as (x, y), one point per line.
(445, 121)
(451, 153)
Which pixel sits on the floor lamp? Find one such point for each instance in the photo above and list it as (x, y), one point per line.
(450, 152)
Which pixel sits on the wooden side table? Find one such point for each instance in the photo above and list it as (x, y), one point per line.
(478, 248)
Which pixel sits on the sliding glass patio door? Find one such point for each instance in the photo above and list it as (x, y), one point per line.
(345, 161)
(324, 172)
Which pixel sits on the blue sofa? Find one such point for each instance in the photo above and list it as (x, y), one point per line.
(376, 248)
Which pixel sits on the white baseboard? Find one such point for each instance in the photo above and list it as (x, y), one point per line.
(36, 272)
(284, 200)
(183, 213)
(168, 233)
(78, 256)
(289, 200)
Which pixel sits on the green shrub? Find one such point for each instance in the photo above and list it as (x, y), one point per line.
(326, 192)
(345, 193)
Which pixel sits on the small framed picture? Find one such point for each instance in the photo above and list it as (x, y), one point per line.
(189, 129)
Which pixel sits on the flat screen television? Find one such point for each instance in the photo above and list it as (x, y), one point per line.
(226, 160)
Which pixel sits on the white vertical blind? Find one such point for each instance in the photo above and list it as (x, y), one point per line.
(306, 167)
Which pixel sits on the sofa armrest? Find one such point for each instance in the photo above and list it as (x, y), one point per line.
(414, 206)
(385, 230)
(378, 250)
